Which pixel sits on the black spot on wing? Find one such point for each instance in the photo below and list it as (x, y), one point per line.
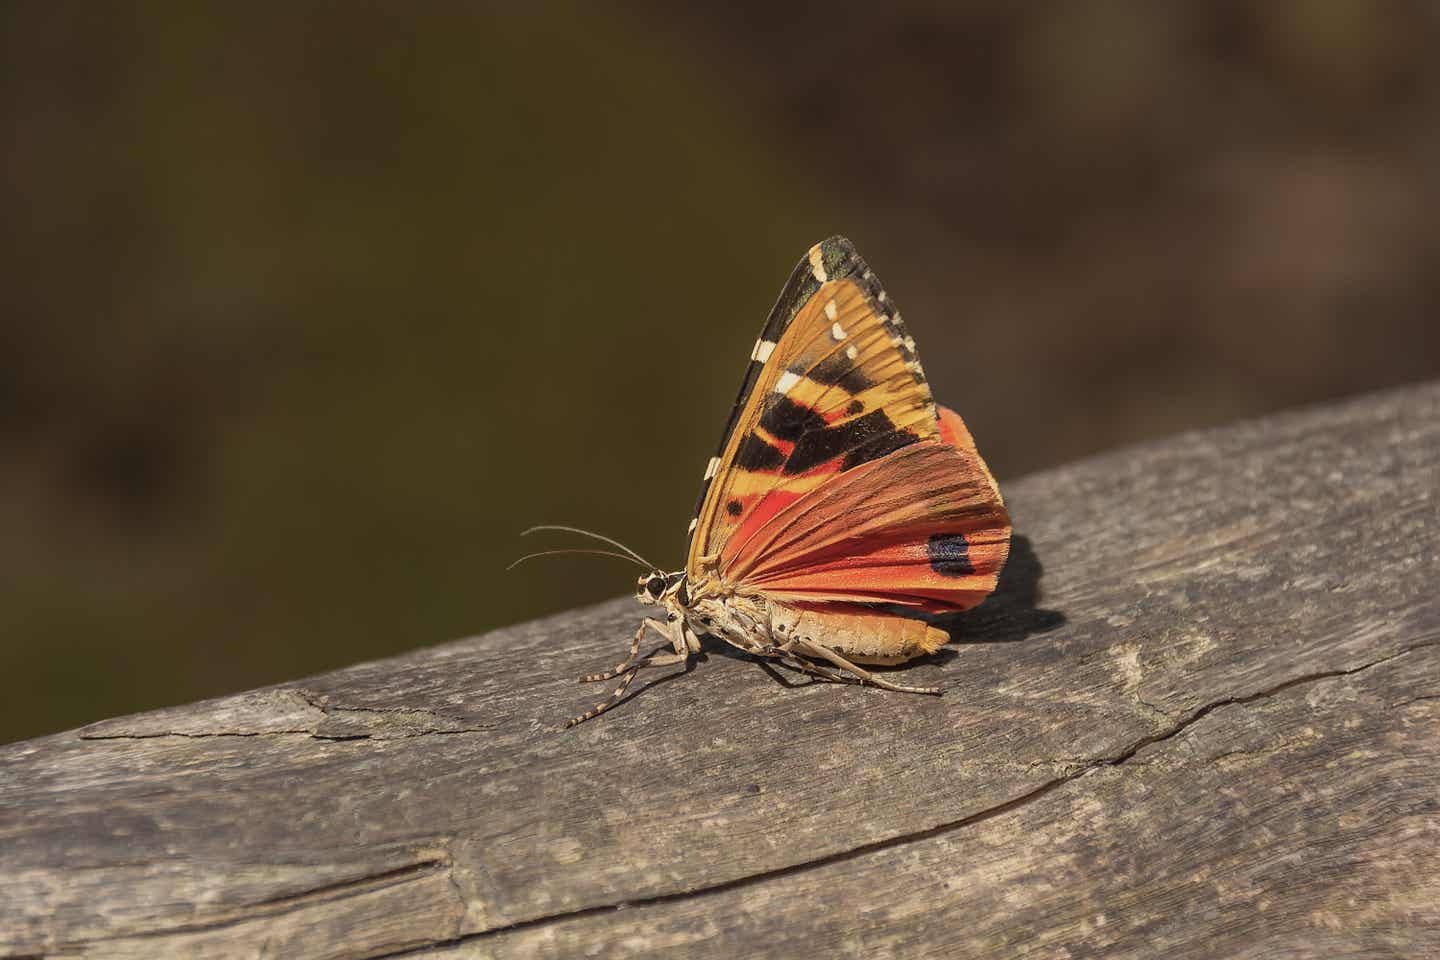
(949, 554)
(734, 508)
(839, 370)
(784, 419)
(756, 455)
(875, 429)
(855, 407)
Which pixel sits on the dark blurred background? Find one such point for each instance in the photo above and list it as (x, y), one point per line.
(309, 308)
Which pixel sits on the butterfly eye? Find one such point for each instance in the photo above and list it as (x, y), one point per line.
(656, 586)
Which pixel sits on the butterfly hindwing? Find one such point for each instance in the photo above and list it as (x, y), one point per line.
(923, 528)
(834, 383)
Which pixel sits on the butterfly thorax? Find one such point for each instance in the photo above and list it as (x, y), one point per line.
(738, 619)
(741, 621)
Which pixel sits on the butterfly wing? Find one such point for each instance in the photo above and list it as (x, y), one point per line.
(834, 383)
(838, 479)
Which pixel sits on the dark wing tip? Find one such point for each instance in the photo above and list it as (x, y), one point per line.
(838, 257)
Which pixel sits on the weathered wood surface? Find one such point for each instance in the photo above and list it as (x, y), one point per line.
(1202, 719)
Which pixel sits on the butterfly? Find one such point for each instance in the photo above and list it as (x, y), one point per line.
(842, 506)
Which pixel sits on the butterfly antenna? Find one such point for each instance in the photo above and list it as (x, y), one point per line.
(596, 553)
(590, 533)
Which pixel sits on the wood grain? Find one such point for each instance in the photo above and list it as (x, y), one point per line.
(1201, 718)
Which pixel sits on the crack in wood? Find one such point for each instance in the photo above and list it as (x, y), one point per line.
(422, 723)
(889, 843)
(410, 872)
(309, 734)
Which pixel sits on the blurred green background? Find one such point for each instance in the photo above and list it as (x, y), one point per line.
(309, 308)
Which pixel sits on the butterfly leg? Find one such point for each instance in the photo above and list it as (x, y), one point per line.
(619, 692)
(605, 704)
(629, 668)
(814, 669)
(625, 664)
(653, 624)
(809, 649)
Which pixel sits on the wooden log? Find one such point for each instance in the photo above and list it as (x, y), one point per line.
(1200, 719)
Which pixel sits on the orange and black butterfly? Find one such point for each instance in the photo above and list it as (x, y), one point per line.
(843, 503)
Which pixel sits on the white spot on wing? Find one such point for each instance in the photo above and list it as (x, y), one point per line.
(851, 352)
(881, 297)
(711, 467)
(762, 351)
(837, 331)
(693, 522)
(910, 344)
(830, 309)
(817, 264)
(786, 381)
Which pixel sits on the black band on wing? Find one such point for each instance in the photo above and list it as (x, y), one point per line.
(756, 455)
(839, 370)
(784, 419)
(854, 439)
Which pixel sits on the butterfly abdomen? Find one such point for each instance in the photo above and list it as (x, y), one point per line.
(857, 633)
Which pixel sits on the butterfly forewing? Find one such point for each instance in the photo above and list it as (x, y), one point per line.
(834, 384)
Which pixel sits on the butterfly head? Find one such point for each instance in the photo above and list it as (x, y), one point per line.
(662, 588)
